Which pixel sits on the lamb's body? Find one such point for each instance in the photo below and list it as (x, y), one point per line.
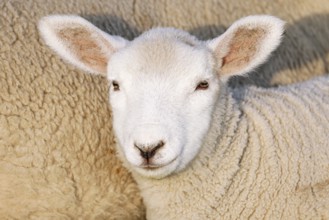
(261, 162)
(197, 149)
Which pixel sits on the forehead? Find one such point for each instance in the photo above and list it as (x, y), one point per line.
(161, 52)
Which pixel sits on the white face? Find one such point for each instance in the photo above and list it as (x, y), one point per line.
(162, 96)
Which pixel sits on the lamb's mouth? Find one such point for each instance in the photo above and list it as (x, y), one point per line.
(151, 166)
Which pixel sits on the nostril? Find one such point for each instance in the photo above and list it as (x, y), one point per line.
(160, 144)
(148, 151)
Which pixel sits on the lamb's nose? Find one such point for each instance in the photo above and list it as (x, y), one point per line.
(149, 150)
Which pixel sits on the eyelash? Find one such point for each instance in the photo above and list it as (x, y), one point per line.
(115, 86)
(203, 85)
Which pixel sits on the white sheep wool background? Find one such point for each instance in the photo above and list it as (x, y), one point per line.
(57, 157)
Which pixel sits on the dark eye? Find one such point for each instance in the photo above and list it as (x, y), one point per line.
(116, 86)
(203, 85)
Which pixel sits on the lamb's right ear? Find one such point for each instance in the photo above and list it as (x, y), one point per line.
(80, 42)
(246, 44)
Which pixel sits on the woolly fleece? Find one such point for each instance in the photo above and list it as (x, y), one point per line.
(57, 158)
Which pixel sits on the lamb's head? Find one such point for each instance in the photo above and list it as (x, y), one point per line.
(165, 83)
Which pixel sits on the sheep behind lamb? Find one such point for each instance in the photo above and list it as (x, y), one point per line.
(198, 149)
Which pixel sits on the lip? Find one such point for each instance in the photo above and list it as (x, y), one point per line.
(151, 167)
(155, 166)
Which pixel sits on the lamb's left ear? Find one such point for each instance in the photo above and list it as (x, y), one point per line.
(246, 44)
(80, 42)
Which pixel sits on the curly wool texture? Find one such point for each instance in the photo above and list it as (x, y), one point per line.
(261, 162)
(57, 157)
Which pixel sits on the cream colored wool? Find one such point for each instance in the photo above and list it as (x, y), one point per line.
(261, 162)
(57, 158)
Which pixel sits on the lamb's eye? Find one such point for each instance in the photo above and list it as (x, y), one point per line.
(203, 85)
(116, 86)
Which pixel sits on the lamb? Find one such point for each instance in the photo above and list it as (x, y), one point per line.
(57, 156)
(197, 148)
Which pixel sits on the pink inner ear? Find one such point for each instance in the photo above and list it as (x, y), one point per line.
(86, 47)
(242, 49)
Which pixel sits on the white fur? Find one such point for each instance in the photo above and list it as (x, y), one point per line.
(150, 105)
(158, 74)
